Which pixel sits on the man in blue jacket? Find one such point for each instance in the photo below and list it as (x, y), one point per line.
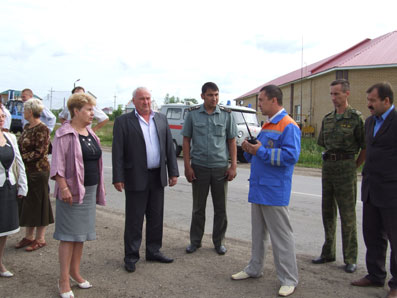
(272, 163)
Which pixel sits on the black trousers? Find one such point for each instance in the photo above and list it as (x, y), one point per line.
(379, 227)
(138, 204)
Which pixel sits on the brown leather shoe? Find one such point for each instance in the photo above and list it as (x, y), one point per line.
(392, 294)
(24, 242)
(365, 282)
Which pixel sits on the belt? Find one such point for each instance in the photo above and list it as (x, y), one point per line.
(337, 156)
(153, 170)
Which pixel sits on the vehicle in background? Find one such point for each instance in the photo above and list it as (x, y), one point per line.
(15, 107)
(176, 114)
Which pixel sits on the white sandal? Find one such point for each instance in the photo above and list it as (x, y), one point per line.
(66, 294)
(6, 274)
(82, 285)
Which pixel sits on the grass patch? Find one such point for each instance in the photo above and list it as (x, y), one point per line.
(310, 156)
(105, 134)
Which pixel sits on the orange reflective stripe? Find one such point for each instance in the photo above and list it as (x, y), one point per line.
(280, 126)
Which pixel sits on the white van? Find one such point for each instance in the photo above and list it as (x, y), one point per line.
(176, 114)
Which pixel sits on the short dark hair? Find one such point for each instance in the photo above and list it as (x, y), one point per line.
(75, 89)
(344, 84)
(273, 91)
(384, 90)
(28, 91)
(210, 86)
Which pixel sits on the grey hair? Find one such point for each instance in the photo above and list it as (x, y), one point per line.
(35, 105)
(139, 89)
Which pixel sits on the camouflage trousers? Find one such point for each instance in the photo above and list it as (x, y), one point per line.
(339, 191)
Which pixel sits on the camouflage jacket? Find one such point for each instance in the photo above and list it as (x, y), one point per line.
(346, 134)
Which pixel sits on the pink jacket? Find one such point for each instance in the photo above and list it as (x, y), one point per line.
(67, 162)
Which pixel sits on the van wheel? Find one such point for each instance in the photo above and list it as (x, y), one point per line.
(177, 149)
(240, 156)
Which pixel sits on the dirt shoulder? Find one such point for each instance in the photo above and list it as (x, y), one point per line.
(202, 274)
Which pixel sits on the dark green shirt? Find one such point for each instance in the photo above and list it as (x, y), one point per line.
(209, 134)
(344, 133)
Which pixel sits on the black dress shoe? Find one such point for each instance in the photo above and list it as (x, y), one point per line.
(221, 250)
(350, 268)
(158, 257)
(322, 260)
(191, 248)
(130, 267)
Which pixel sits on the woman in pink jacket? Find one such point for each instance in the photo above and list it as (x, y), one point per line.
(77, 168)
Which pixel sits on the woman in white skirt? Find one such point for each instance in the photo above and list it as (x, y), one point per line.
(77, 168)
(13, 183)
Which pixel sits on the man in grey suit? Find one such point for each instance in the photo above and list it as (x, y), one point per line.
(142, 154)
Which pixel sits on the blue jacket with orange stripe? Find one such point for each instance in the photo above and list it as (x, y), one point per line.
(273, 164)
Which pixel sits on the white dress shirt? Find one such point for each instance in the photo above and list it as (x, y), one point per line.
(151, 140)
(8, 119)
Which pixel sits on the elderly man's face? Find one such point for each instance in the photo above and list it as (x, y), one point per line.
(26, 96)
(143, 102)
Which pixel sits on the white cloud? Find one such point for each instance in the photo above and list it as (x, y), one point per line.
(173, 46)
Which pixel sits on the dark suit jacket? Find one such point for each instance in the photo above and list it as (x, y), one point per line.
(129, 152)
(379, 183)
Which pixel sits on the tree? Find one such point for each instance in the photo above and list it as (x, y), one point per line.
(173, 99)
(117, 112)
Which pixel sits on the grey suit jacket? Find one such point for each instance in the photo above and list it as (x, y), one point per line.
(129, 152)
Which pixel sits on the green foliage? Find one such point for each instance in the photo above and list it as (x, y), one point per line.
(56, 113)
(173, 99)
(310, 155)
(116, 113)
(105, 134)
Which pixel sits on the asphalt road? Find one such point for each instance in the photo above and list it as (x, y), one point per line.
(305, 209)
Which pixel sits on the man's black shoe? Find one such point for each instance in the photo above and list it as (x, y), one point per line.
(158, 257)
(322, 260)
(130, 267)
(221, 250)
(191, 248)
(350, 268)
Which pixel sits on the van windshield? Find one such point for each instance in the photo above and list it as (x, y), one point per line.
(249, 117)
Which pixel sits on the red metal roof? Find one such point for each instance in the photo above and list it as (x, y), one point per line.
(369, 52)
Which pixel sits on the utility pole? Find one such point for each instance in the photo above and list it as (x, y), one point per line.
(115, 102)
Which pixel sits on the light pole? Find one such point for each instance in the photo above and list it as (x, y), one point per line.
(74, 85)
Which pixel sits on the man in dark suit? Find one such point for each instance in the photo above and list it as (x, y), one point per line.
(379, 188)
(142, 154)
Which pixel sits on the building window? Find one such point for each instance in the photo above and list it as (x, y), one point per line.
(297, 113)
(342, 74)
(174, 114)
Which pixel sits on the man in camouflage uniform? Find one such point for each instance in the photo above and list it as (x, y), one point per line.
(342, 135)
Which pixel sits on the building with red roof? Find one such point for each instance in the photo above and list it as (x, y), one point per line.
(306, 90)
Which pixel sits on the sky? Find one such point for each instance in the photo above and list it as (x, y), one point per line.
(173, 47)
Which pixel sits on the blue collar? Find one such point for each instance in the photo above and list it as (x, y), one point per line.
(384, 115)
